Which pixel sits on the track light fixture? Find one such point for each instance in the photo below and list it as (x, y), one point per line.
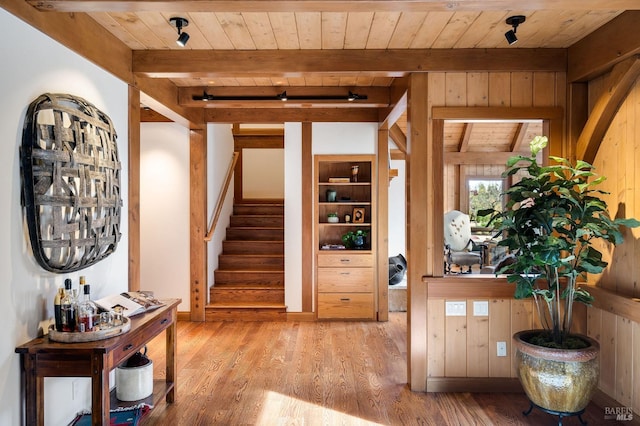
(514, 21)
(282, 96)
(180, 23)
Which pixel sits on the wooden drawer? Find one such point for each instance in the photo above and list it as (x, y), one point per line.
(345, 280)
(345, 305)
(345, 259)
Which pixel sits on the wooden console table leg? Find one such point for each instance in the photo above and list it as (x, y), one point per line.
(171, 359)
(100, 398)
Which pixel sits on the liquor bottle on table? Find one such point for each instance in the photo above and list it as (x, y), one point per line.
(57, 308)
(68, 308)
(87, 310)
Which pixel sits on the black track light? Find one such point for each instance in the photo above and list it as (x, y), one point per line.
(514, 21)
(282, 96)
(180, 23)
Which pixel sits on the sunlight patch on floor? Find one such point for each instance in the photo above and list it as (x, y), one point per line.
(282, 409)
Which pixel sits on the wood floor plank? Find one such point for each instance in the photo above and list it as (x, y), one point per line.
(317, 373)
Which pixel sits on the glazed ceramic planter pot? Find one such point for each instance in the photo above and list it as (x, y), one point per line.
(558, 380)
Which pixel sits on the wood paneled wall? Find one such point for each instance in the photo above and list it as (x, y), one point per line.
(450, 347)
(466, 346)
(617, 159)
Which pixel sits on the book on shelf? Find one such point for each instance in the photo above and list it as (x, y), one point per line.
(339, 180)
(131, 302)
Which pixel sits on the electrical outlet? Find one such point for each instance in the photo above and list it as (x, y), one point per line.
(480, 308)
(502, 349)
(456, 308)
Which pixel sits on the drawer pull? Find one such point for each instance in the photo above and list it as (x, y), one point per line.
(345, 299)
(345, 273)
(164, 321)
(127, 348)
(345, 260)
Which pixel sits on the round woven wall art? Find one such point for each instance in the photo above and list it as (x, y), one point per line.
(70, 182)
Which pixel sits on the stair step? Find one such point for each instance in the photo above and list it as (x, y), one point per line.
(241, 311)
(252, 209)
(255, 234)
(252, 247)
(249, 277)
(257, 221)
(246, 294)
(251, 262)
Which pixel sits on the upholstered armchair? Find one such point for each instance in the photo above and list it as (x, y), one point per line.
(459, 248)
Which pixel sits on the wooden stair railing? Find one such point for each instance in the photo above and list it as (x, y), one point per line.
(221, 197)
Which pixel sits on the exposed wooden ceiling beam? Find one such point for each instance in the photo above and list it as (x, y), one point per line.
(598, 52)
(147, 115)
(396, 154)
(399, 138)
(618, 84)
(250, 115)
(497, 113)
(397, 102)
(463, 146)
(377, 97)
(292, 63)
(518, 138)
(323, 5)
(472, 158)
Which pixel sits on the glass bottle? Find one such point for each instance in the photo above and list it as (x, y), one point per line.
(68, 308)
(57, 308)
(87, 310)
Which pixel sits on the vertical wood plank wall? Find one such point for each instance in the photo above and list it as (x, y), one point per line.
(466, 346)
(619, 337)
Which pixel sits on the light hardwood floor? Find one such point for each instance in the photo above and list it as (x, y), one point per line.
(317, 373)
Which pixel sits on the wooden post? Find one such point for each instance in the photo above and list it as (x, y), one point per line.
(198, 222)
(418, 188)
(134, 189)
(308, 250)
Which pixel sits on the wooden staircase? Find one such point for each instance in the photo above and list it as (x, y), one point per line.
(249, 281)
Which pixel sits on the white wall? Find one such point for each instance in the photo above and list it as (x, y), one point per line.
(397, 211)
(263, 173)
(34, 64)
(293, 217)
(164, 211)
(219, 154)
(344, 138)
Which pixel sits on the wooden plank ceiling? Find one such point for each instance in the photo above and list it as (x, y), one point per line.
(353, 26)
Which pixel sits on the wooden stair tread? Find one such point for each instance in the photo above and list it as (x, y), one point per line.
(246, 305)
(249, 280)
(247, 286)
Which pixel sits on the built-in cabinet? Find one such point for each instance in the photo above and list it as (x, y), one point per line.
(345, 200)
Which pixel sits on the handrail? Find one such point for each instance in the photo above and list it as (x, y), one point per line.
(221, 197)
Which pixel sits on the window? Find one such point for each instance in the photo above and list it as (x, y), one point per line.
(484, 193)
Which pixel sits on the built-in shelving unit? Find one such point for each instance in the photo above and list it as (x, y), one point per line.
(345, 276)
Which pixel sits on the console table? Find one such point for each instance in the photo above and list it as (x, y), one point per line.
(42, 358)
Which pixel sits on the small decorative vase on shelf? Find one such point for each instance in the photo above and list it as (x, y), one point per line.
(333, 218)
(331, 195)
(347, 218)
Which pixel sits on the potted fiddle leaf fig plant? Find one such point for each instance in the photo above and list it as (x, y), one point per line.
(553, 217)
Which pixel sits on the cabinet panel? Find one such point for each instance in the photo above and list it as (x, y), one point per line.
(345, 280)
(345, 259)
(345, 305)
